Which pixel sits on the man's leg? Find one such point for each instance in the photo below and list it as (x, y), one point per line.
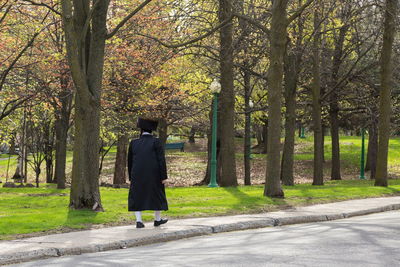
(157, 218)
(138, 215)
(157, 215)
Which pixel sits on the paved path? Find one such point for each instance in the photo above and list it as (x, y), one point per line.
(128, 236)
(371, 240)
(7, 158)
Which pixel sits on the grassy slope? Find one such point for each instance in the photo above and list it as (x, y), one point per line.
(29, 210)
(33, 210)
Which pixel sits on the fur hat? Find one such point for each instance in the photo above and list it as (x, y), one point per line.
(147, 124)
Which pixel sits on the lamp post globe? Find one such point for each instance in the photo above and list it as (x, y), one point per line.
(215, 88)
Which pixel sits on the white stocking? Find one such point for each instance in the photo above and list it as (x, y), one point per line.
(157, 215)
(138, 215)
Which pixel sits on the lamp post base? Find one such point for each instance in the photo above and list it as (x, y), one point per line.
(212, 185)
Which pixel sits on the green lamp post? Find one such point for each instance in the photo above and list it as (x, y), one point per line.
(302, 133)
(215, 88)
(362, 162)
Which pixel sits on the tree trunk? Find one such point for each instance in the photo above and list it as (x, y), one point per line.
(61, 153)
(247, 129)
(300, 126)
(334, 103)
(192, 135)
(227, 98)
(291, 74)
(372, 149)
(323, 127)
(385, 93)
(63, 114)
(318, 178)
(12, 145)
(278, 42)
(121, 159)
(265, 136)
(85, 180)
(18, 171)
(37, 172)
(85, 48)
(335, 169)
(163, 131)
(206, 179)
(259, 135)
(24, 150)
(49, 137)
(243, 24)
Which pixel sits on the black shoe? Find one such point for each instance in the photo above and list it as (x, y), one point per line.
(162, 221)
(139, 225)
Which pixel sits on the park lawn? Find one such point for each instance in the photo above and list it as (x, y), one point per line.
(350, 147)
(36, 211)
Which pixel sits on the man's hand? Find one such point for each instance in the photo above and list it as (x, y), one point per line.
(164, 181)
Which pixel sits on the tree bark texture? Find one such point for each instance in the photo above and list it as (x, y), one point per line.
(275, 77)
(372, 149)
(318, 178)
(163, 131)
(49, 147)
(85, 42)
(259, 135)
(293, 58)
(121, 160)
(265, 136)
(334, 103)
(192, 134)
(300, 126)
(227, 98)
(291, 75)
(63, 114)
(385, 93)
(247, 129)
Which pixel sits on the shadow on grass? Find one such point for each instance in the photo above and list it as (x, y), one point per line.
(254, 203)
(337, 191)
(80, 218)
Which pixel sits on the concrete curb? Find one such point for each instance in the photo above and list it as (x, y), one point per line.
(181, 234)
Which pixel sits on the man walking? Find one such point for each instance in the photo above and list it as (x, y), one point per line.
(147, 174)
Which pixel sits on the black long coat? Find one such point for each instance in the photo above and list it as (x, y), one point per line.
(147, 168)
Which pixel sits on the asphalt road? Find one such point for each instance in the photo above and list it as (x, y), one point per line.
(372, 240)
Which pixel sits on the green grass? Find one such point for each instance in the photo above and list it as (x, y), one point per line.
(350, 147)
(350, 150)
(32, 210)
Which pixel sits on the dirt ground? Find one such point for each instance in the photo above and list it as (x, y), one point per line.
(188, 168)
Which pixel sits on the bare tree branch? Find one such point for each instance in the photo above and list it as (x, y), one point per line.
(51, 8)
(349, 72)
(5, 12)
(127, 18)
(3, 75)
(190, 41)
(13, 105)
(87, 22)
(299, 11)
(4, 4)
(254, 23)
